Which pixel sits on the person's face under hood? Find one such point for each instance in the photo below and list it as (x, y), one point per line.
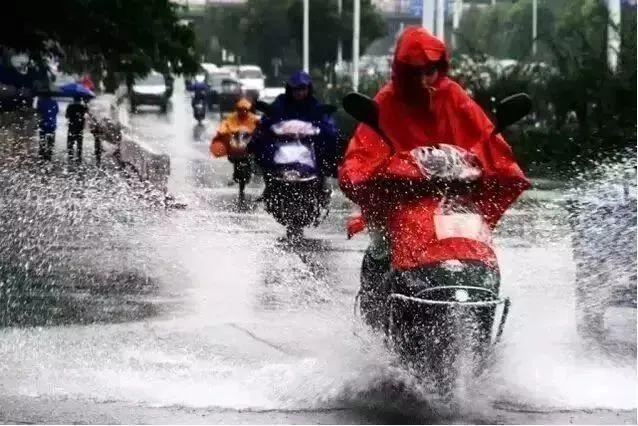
(300, 93)
(243, 107)
(299, 87)
(420, 60)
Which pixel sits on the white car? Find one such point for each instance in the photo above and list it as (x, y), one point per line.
(252, 80)
(150, 90)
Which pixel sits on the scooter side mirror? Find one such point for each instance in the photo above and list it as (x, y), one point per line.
(362, 109)
(365, 110)
(512, 109)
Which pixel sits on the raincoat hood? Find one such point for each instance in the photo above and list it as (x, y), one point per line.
(379, 172)
(243, 103)
(416, 49)
(298, 79)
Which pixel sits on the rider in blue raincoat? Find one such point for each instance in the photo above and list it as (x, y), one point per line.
(200, 91)
(298, 103)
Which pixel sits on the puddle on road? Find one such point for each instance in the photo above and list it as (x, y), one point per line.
(65, 245)
(269, 327)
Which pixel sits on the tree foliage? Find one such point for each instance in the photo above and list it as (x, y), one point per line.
(583, 109)
(505, 30)
(130, 35)
(260, 30)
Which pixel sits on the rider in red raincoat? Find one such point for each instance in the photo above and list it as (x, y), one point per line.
(434, 132)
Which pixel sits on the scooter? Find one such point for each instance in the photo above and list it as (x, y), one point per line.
(441, 326)
(294, 192)
(199, 109)
(242, 164)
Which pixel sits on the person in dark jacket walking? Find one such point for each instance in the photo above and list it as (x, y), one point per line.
(76, 115)
(47, 109)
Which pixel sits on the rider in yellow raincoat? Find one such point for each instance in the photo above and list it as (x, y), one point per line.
(232, 139)
(241, 120)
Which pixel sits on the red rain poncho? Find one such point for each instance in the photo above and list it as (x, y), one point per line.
(412, 117)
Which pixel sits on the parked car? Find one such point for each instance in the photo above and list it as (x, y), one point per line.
(230, 93)
(252, 79)
(602, 215)
(150, 90)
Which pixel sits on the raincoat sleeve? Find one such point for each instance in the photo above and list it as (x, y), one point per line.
(503, 180)
(327, 150)
(261, 137)
(219, 144)
(369, 159)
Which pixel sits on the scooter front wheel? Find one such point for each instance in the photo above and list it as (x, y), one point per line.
(294, 232)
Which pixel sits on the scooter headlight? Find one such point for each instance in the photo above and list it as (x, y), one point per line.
(290, 175)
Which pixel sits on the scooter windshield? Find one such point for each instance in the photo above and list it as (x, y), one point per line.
(294, 152)
(294, 128)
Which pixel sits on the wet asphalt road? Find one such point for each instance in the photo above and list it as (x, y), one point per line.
(117, 311)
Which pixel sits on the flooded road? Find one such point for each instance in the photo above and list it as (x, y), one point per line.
(136, 314)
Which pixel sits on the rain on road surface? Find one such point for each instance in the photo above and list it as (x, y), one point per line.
(207, 315)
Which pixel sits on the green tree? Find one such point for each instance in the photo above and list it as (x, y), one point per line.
(122, 35)
(219, 29)
(582, 108)
(260, 30)
(505, 30)
(268, 35)
(327, 27)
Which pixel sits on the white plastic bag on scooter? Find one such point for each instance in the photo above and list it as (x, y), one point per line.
(458, 218)
(455, 217)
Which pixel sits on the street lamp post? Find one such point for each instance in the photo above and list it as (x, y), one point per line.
(339, 41)
(613, 34)
(306, 36)
(440, 19)
(356, 29)
(427, 14)
(534, 25)
(456, 20)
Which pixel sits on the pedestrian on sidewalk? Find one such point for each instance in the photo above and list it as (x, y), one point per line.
(76, 115)
(47, 109)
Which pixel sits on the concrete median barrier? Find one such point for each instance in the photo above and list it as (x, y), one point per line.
(150, 166)
(112, 125)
